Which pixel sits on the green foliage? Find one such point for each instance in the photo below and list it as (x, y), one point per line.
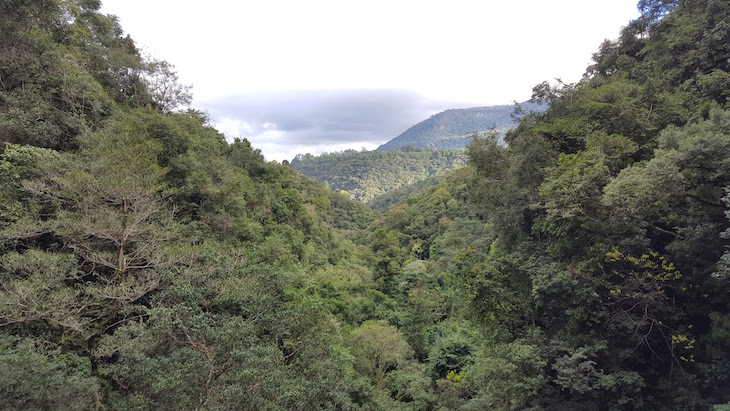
(605, 239)
(397, 195)
(454, 345)
(35, 291)
(147, 263)
(64, 66)
(243, 340)
(368, 174)
(19, 210)
(378, 348)
(578, 373)
(170, 268)
(39, 376)
(507, 377)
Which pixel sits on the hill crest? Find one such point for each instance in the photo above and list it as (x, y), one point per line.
(450, 129)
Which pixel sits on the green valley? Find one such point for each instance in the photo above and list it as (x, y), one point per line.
(579, 262)
(369, 174)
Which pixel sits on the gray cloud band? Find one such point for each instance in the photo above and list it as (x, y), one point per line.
(321, 117)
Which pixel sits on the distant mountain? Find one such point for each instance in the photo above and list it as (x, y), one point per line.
(451, 128)
(369, 174)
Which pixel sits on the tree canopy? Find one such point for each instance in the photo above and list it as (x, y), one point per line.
(148, 263)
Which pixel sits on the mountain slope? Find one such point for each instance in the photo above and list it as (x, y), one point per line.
(146, 263)
(450, 129)
(407, 160)
(368, 174)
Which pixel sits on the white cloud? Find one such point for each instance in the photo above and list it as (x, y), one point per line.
(477, 51)
(233, 128)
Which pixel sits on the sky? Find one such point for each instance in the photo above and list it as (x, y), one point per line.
(317, 76)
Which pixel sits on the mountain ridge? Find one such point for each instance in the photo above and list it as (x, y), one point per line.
(450, 129)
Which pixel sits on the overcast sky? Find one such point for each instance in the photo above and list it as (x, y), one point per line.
(298, 76)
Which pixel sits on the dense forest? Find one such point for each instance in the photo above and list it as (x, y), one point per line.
(146, 263)
(367, 175)
(452, 129)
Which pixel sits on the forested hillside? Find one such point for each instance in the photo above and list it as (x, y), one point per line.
(451, 129)
(589, 255)
(369, 174)
(146, 263)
